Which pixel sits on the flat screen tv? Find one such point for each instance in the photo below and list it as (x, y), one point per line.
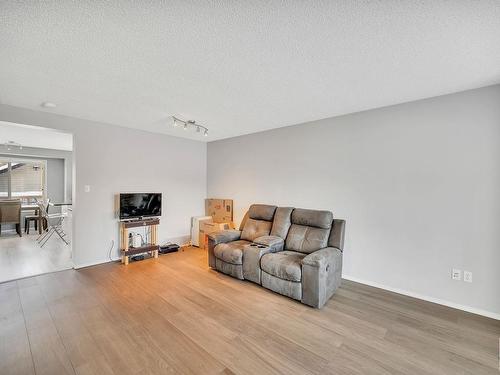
(138, 205)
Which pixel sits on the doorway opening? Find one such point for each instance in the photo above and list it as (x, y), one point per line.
(36, 195)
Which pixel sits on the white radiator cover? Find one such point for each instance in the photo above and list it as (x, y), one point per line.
(195, 229)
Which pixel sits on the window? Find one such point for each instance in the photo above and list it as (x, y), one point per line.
(22, 179)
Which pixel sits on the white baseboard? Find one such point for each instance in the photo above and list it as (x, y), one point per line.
(181, 240)
(90, 264)
(473, 310)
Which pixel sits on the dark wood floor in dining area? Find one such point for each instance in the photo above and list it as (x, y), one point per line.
(175, 316)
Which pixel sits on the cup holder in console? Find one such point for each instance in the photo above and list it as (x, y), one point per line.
(258, 245)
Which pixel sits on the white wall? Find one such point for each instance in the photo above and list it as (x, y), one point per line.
(55, 180)
(418, 183)
(35, 137)
(113, 159)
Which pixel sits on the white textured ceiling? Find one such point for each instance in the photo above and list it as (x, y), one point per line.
(34, 136)
(240, 66)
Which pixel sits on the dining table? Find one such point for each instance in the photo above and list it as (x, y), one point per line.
(60, 204)
(33, 207)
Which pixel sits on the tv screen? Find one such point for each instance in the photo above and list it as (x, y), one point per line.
(136, 205)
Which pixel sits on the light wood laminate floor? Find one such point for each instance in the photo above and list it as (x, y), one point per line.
(22, 256)
(175, 316)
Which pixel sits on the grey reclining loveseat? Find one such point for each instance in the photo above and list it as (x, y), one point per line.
(292, 251)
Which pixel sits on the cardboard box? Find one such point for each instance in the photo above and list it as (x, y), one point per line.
(207, 227)
(221, 210)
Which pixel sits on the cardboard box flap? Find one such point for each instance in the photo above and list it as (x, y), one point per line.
(221, 210)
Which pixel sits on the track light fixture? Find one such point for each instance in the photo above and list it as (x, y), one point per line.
(190, 124)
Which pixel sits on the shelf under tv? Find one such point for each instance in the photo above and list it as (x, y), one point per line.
(140, 250)
(133, 223)
(152, 247)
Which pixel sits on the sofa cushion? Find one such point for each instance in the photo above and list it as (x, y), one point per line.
(306, 239)
(286, 265)
(309, 231)
(282, 221)
(337, 234)
(255, 228)
(312, 218)
(261, 212)
(234, 270)
(231, 252)
(292, 289)
(243, 221)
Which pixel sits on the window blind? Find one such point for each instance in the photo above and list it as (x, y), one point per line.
(4, 179)
(26, 180)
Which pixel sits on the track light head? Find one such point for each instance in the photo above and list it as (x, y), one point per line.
(190, 123)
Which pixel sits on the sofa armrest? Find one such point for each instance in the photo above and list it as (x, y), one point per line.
(321, 276)
(224, 236)
(216, 238)
(323, 258)
(274, 242)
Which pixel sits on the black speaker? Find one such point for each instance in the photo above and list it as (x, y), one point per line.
(171, 248)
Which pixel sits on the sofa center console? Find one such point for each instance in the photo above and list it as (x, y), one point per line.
(257, 245)
(251, 261)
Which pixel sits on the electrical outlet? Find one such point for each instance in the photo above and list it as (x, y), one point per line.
(468, 276)
(86, 188)
(456, 274)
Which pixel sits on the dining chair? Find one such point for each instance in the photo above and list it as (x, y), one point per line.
(54, 225)
(27, 222)
(10, 213)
